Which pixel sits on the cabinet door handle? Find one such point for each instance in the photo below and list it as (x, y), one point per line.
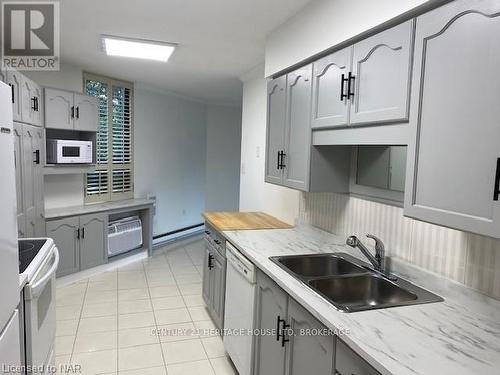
(83, 233)
(72, 111)
(343, 80)
(350, 85)
(36, 104)
(282, 165)
(33, 100)
(207, 233)
(12, 92)
(210, 259)
(77, 112)
(283, 340)
(497, 182)
(278, 321)
(78, 234)
(279, 164)
(37, 157)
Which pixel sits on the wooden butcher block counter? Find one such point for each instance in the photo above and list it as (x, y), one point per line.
(222, 221)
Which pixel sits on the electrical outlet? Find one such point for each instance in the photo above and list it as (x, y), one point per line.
(257, 152)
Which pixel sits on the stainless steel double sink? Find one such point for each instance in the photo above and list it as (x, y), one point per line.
(350, 284)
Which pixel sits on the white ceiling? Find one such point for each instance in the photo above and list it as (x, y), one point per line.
(219, 40)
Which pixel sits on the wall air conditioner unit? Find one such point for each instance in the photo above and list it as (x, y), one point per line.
(124, 235)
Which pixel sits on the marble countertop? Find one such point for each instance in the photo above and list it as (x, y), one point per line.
(54, 213)
(458, 336)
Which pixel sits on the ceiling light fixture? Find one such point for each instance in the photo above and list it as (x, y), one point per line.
(137, 48)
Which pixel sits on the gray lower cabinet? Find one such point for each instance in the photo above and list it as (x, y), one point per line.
(81, 241)
(93, 240)
(271, 309)
(303, 352)
(214, 276)
(311, 350)
(348, 362)
(453, 170)
(28, 150)
(64, 232)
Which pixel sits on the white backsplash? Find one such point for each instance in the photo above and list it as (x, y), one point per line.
(464, 257)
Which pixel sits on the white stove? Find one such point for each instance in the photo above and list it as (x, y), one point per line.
(38, 261)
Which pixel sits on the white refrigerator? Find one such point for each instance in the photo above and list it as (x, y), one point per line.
(10, 350)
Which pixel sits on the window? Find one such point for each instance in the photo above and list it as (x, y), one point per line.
(113, 177)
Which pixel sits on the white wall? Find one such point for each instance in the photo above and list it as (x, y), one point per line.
(170, 152)
(223, 158)
(323, 24)
(255, 194)
(69, 77)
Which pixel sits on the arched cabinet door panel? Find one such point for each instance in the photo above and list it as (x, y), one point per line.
(59, 109)
(276, 109)
(296, 158)
(381, 71)
(65, 233)
(330, 106)
(453, 172)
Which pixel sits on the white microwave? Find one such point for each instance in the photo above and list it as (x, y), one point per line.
(62, 151)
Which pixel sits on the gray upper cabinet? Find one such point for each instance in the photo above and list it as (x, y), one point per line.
(308, 353)
(270, 310)
(86, 113)
(381, 69)
(276, 112)
(348, 362)
(31, 102)
(65, 233)
(329, 107)
(93, 240)
(453, 171)
(59, 109)
(296, 157)
(70, 111)
(15, 81)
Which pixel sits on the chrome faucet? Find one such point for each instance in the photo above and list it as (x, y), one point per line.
(378, 260)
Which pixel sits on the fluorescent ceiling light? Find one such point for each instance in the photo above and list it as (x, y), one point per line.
(137, 48)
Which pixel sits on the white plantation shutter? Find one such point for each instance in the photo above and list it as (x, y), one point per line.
(97, 183)
(113, 178)
(122, 151)
(122, 182)
(100, 91)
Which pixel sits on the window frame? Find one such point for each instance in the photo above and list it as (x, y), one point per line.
(110, 166)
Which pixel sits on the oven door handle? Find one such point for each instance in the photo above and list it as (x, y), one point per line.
(36, 289)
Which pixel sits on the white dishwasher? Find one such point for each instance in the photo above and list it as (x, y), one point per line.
(239, 311)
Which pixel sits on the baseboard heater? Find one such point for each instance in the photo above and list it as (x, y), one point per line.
(177, 231)
(124, 235)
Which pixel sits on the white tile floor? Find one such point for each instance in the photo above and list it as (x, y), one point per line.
(118, 322)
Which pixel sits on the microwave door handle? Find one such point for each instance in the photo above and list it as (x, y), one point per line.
(37, 287)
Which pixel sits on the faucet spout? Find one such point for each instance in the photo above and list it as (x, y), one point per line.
(354, 242)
